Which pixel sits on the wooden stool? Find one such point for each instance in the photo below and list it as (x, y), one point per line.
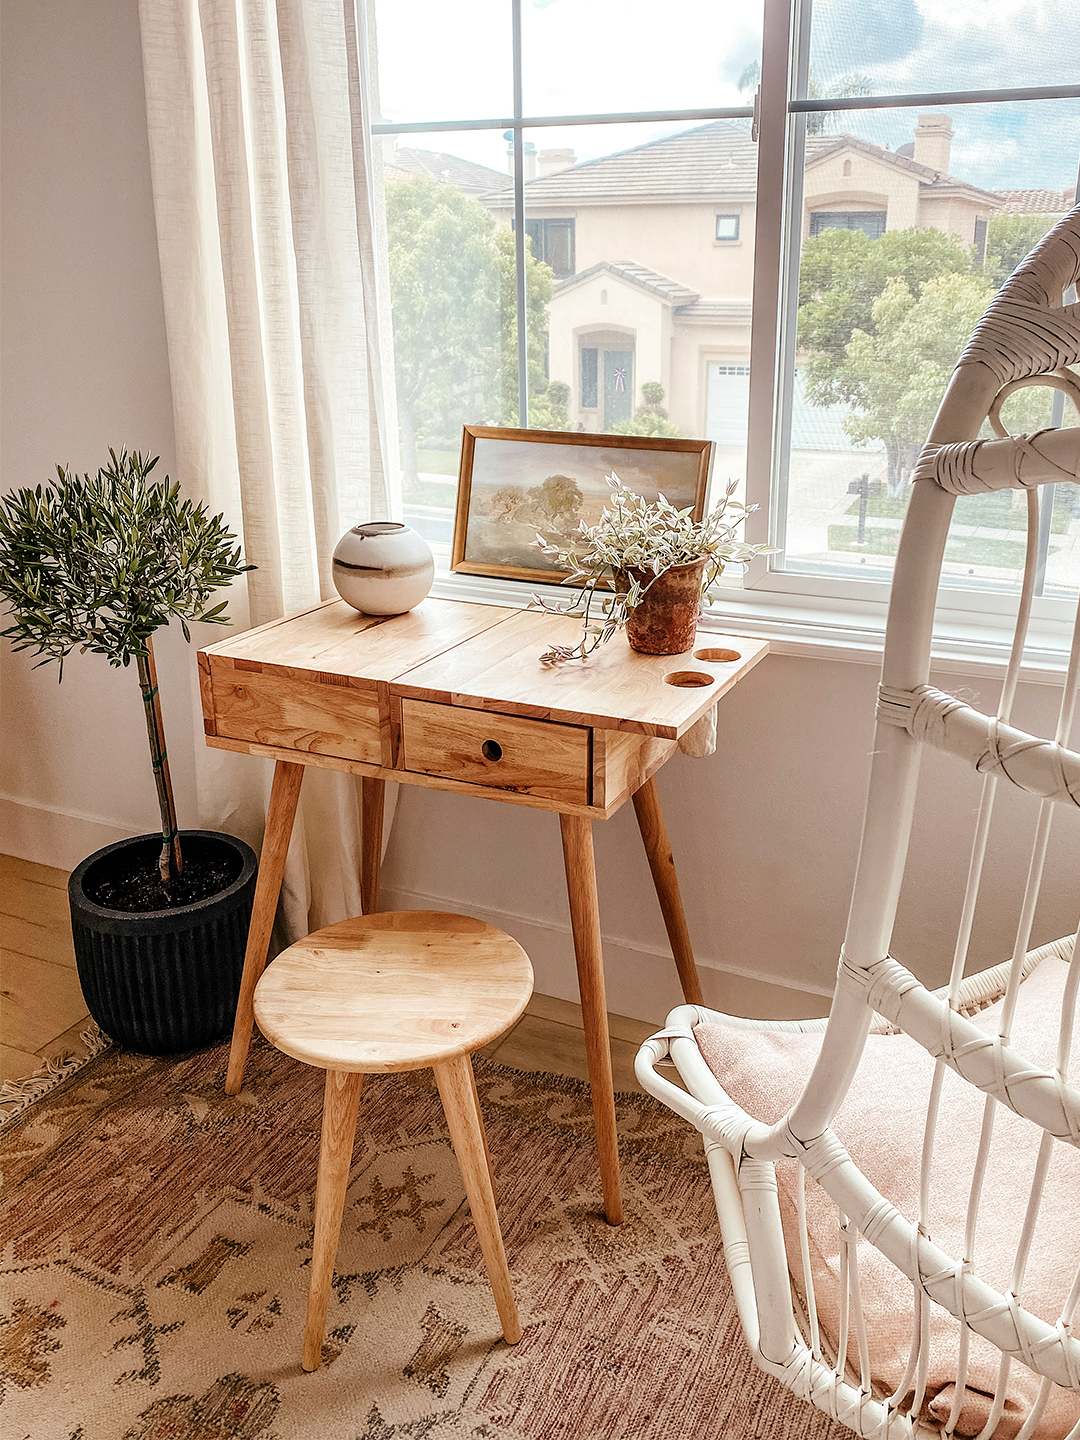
(396, 991)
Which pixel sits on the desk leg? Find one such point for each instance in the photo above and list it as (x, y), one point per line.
(585, 919)
(650, 819)
(373, 793)
(284, 793)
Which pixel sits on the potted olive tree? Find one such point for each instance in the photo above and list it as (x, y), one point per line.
(159, 921)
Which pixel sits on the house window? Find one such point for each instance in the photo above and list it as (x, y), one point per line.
(727, 227)
(870, 222)
(553, 243)
(980, 240)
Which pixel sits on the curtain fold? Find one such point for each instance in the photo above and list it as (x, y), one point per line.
(268, 202)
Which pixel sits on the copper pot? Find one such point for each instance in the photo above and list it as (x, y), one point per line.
(665, 622)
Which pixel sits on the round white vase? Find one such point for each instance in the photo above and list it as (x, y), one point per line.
(383, 567)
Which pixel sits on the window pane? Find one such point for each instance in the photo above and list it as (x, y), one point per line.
(586, 57)
(650, 332)
(453, 302)
(433, 65)
(899, 259)
(911, 46)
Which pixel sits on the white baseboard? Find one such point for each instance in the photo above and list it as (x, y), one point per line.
(641, 983)
(51, 835)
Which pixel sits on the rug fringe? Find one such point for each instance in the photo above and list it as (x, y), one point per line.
(16, 1095)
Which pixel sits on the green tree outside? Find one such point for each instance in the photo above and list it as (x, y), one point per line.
(1009, 238)
(453, 295)
(884, 322)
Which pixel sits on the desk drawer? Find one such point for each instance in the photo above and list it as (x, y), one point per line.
(533, 757)
(297, 714)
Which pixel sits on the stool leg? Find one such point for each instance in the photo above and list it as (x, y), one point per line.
(373, 794)
(483, 1134)
(588, 951)
(456, 1087)
(650, 819)
(341, 1100)
(284, 793)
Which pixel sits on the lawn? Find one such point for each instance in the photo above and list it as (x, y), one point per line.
(438, 462)
(961, 549)
(993, 510)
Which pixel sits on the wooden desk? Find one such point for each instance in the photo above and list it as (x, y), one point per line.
(453, 696)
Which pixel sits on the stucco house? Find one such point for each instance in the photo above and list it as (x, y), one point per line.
(653, 253)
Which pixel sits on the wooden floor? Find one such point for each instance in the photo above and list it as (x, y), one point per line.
(42, 1011)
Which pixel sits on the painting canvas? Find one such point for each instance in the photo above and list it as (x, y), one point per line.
(517, 483)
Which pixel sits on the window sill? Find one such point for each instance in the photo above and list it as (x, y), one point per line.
(813, 629)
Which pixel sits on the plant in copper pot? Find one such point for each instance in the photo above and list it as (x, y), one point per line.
(661, 563)
(99, 564)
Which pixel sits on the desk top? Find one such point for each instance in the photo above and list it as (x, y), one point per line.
(487, 657)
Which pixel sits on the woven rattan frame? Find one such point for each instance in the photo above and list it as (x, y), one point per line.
(1028, 335)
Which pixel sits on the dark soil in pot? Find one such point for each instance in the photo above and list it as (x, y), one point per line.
(164, 980)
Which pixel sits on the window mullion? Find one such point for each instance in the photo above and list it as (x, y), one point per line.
(519, 226)
(771, 128)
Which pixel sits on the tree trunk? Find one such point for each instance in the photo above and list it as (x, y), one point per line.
(170, 863)
(895, 477)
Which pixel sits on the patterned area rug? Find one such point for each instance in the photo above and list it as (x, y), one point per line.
(158, 1237)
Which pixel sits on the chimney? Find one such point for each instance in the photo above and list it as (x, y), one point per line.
(528, 157)
(551, 161)
(933, 140)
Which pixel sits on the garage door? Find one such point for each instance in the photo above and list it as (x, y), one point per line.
(727, 403)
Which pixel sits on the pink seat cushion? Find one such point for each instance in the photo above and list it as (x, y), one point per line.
(881, 1123)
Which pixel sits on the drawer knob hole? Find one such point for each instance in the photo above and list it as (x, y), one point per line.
(491, 750)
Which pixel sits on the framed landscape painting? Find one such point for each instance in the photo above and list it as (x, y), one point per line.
(514, 484)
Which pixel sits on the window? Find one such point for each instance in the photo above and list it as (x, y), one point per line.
(870, 222)
(866, 146)
(872, 315)
(980, 240)
(553, 243)
(727, 227)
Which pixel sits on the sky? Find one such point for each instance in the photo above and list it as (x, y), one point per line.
(442, 61)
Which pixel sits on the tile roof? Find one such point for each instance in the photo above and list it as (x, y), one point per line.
(465, 174)
(733, 312)
(710, 161)
(671, 291)
(1037, 202)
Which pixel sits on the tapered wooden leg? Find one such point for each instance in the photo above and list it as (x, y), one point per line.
(284, 793)
(650, 819)
(456, 1087)
(585, 920)
(483, 1133)
(373, 794)
(341, 1100)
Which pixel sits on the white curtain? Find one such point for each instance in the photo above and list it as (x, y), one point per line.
(267, 194)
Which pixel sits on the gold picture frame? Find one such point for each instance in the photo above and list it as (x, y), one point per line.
(494, 531)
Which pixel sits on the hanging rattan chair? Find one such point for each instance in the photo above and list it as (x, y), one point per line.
(899, 1186)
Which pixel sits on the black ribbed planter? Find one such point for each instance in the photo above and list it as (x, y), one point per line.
(163, 981)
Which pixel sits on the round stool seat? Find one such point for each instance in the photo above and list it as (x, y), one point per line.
(393, 991)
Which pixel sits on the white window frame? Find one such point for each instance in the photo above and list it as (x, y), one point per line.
(972, 622)
(833, 615)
